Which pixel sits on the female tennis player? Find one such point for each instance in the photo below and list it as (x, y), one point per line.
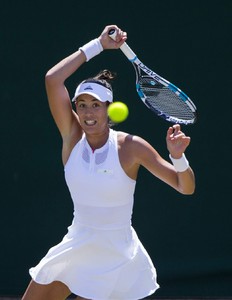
(101, 256)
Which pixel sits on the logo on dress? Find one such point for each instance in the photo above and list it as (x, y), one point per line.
(105, 171)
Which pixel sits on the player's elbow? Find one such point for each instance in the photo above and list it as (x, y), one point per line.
(186, 183)
(52, 77)
(188, 190)
(49, 77)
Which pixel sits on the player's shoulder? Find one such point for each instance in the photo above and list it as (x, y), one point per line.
(135, 147)
(128, 139)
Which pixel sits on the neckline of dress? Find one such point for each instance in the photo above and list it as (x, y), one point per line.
(98, 150)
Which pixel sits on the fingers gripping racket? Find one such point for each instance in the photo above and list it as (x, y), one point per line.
(159, 95)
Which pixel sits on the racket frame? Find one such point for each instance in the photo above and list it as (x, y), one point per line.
(138, 65)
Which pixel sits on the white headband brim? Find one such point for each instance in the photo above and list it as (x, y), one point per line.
(96, 90)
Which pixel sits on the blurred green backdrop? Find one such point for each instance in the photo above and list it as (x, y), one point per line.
(187, 42)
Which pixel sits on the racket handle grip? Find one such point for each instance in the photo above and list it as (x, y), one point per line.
(124, 48)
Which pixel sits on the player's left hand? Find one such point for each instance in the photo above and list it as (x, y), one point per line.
(177, 141)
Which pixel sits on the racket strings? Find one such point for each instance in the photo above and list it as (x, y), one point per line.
(164, 101)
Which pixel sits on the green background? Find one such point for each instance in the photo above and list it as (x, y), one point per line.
(187, 42)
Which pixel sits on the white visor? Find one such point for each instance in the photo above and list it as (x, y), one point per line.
(96, 90)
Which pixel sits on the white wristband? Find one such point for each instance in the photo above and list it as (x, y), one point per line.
(92, 49)
(180, 164)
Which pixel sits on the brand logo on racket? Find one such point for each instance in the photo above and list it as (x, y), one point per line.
(147, 70)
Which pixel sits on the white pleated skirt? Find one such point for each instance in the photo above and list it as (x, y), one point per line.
(99, 264)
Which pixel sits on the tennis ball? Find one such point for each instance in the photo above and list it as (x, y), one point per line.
(118, 111)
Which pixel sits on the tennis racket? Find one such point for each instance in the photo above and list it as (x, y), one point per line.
(159, 95)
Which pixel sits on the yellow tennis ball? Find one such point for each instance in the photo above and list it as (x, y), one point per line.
(118, 111)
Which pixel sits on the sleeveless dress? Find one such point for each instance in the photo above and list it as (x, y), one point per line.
(101, 256)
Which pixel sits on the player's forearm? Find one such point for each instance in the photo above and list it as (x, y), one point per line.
(186, 182)
(66, 67)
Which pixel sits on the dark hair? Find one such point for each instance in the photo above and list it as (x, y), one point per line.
(104, 78)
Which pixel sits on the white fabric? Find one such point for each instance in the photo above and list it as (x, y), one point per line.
(101, 256)
(180, 164)
(92, 49)
(98, 91)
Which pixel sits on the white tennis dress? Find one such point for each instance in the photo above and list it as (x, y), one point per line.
(101, 256)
